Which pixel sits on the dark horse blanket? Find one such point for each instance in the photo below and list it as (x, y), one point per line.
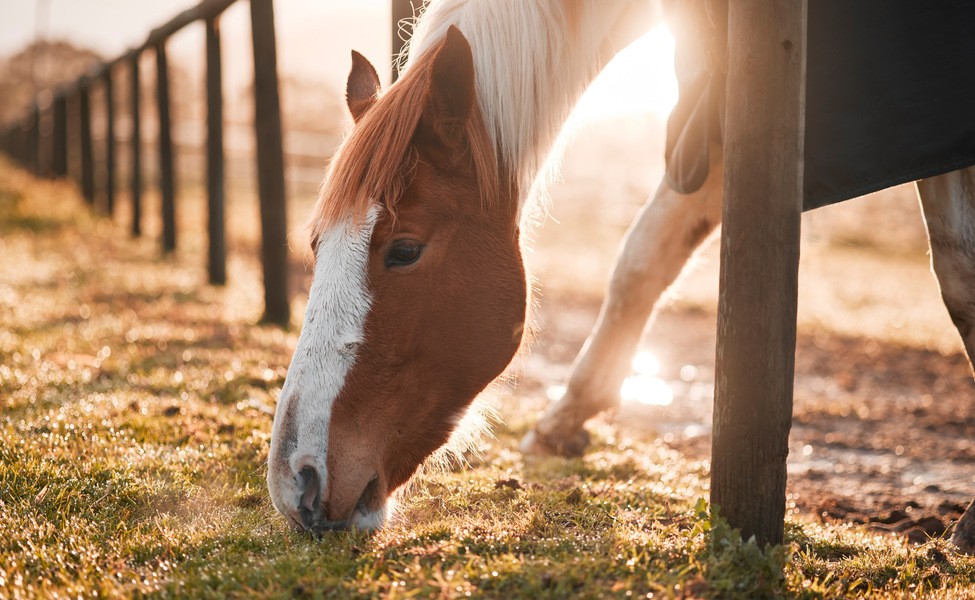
(890, 93)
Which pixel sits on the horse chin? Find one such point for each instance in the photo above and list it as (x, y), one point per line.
(372, 519)
(362, 519)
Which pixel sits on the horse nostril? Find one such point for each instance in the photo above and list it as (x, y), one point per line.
(310, 484)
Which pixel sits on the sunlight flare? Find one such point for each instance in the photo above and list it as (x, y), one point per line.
(645, 363)
(647, 390)
(638, 80)
(555, 392)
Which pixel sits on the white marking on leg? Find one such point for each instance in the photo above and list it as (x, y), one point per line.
(656, 250)
(949, 212)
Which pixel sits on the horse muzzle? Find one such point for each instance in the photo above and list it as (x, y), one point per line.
(303, 495)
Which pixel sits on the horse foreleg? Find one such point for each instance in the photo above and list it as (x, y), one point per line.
(656, 248)
(948, 202)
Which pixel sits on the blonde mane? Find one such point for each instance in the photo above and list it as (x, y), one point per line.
(532, 60)
(375, 163)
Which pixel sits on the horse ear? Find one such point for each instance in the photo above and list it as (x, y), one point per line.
(362, 88)
(452, 95)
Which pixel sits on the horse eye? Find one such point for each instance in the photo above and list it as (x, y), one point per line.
(403, 252)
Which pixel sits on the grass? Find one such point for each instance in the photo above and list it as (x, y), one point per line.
(135, 411)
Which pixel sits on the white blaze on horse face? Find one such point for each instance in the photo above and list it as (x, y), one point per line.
(334, 318)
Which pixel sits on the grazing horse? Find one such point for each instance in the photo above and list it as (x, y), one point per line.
(419, 294)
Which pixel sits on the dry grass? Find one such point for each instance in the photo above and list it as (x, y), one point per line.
(134, 428)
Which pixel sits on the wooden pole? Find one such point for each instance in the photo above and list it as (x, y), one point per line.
(109, 142)
(400, 11)
(22, 142)
(207, 9)
(763, 143)
(45, 132)
(10, 143)
(87, 160)
(270, 164)
(59, 143)
(19, 143)
(217, 256)
(135, 181)
(34, 140)
(167, 185)
(72, 126)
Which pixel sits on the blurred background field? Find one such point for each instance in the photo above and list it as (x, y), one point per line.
(136, 406)
(883, 394)
(865, 284)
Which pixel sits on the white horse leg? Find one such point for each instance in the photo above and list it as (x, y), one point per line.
(948, 202)
(656, 248)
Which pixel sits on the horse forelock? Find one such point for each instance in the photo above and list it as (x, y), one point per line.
(375, 163)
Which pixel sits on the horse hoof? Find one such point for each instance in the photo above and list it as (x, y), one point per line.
(964, 536)
(963, 539)
(964, 544)
(537, 444)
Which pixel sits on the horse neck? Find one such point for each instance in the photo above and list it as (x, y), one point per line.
(533, 61)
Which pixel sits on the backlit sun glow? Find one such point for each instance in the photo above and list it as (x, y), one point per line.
(639, 80)
(645, 387)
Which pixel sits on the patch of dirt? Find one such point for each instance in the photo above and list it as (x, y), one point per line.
(883, 414)
(882, 431)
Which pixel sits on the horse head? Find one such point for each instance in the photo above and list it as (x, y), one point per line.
(418, 298)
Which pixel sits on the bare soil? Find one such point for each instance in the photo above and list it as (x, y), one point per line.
(882, 431)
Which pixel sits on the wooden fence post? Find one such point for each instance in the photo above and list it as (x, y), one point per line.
(23, 143)
(59, 143)
(400, 10)
(109, 141)
(45, 133)
(759, 264)
(10, 142)
(20, 142)
(13, 141)
(270, 164)
(135, 181)
(167, 185)
(34, 139)
(72, 163)
(87, 160)
(217, 256)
